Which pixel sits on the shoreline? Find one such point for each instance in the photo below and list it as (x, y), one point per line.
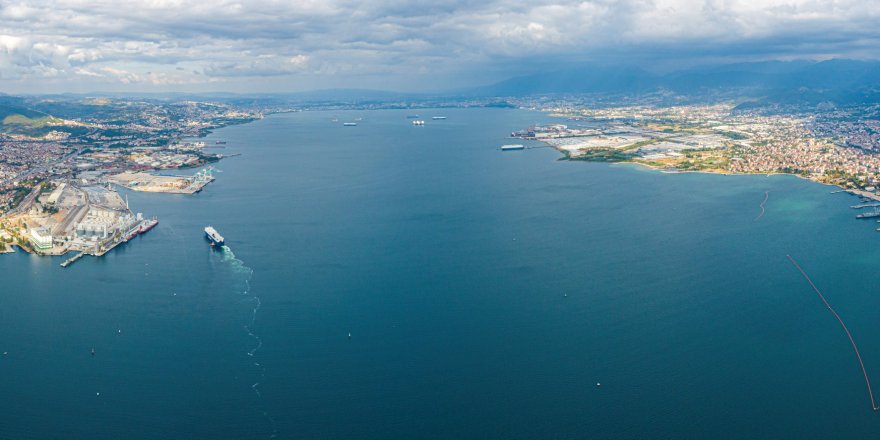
(853, 191)
(193, 189)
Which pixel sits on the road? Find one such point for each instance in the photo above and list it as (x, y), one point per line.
(41, 168)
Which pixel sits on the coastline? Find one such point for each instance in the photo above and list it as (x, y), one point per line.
(193, 188)
(853, 191)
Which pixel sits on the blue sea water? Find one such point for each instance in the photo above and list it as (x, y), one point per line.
(486, 294)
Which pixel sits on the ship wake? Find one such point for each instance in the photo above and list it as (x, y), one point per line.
(247, 274)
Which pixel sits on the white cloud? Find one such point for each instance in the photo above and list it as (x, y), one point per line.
(342, 39)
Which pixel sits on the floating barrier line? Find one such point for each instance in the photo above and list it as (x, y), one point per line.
(766, 196)
(848, 334)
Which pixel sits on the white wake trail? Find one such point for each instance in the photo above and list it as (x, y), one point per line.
(248, 274)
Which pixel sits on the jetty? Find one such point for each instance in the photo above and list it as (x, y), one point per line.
(73, 259)
(871, 214)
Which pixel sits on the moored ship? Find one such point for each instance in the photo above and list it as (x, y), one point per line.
(131, 234)
(147, 225)
(214, 237)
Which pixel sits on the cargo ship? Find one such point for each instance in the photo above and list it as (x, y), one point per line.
(147, 225)
(214, 237)
(131, 234)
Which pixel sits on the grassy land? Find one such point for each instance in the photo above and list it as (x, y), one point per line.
(604, 154)
(31, 122)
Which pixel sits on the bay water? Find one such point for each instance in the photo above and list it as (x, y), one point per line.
(391, 281)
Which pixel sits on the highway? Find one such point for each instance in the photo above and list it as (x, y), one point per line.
(27, 202)
(36, 170)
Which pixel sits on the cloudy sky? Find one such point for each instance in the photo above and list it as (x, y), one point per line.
(266, 45)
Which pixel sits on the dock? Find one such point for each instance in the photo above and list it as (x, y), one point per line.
(865, 205)
(72, 259)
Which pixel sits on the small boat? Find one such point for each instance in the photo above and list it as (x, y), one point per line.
(412, 116)
(418, 122)
(512, 147)
(438, 118)
(349, 124)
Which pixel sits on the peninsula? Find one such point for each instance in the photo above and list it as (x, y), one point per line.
(836, 146)
(59, 160)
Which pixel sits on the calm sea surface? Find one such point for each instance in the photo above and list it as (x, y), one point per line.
(486, 294)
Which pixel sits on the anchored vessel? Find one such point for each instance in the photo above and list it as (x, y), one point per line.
(512, 147)
(438, 118)
(869, 214)
(214, 237)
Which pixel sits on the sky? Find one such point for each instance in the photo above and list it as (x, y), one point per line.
(49, 46)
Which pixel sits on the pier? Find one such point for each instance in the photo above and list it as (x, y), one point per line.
(72, 259)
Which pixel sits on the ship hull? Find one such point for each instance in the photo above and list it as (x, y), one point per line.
(144, 228)
(215, 243)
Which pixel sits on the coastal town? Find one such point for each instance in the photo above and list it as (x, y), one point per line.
(834, 146)
(59, 176)
(63, 163)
